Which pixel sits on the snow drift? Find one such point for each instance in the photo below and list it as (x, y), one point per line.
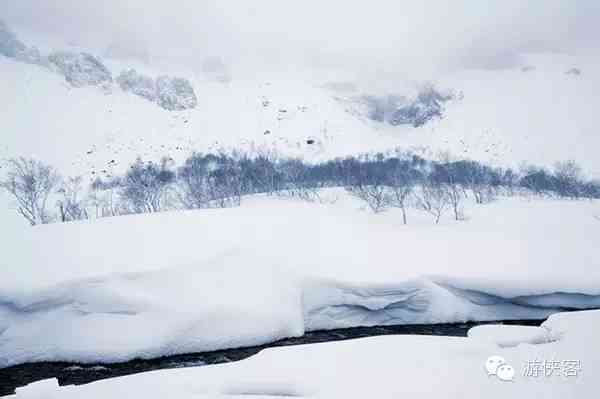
(204, 280)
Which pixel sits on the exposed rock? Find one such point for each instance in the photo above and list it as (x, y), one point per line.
(170, 93)
(80, 69)
(132, 81)
(397, 110)
(427, 106)
(12, 47)
(175, 93)
(574, 71)
(381, 108)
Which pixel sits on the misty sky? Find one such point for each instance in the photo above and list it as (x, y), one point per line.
(475, 33)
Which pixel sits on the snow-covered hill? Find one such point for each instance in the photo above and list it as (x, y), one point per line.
(536, 114)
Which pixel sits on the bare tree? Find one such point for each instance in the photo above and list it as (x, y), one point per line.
(192, 182)
(567, 178)
(297, 181)
(537, 180)
(477, 180)
(401, 185)
(224, 183)
(454, 195)
(30, 182)
(70, 205)
(368, 181)
(210, 181)
(104, 197)
(446, 176)
(375, 195)
(433, 199)
(145, 185)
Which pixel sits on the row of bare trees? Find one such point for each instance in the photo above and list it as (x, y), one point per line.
(401, 185)
(439, 186)
(404, 181)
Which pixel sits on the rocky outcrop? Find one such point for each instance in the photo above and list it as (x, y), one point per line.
(171, 93)
(398, 110)
(12, 47)
(175, 94)
(80, 69)
(427, 106)
(132, 81)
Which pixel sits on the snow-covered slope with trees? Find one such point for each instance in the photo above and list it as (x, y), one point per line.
(536, 114)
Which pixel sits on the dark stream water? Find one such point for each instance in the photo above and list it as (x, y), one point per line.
(75, 373)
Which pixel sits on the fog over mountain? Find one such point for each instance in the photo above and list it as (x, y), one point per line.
(342, 76)
(374, 38)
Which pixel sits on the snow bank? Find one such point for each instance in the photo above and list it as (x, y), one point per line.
(512, 335)
(179, 310)
(203, 280)
(382, 367)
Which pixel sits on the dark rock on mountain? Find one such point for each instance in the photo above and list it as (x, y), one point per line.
(175, 93)
(132, 81)
(80, 69)
(397, 110)
(12, 47)
(427, 106)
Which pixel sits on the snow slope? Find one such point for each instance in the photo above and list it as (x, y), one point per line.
(382, 367)
(504, 116)
(202, 280)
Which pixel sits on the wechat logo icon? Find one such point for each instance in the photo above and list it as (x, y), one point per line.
(496, 365)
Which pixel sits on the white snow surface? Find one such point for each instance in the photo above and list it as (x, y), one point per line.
(202, 280)
(191, 281)
(377, 367)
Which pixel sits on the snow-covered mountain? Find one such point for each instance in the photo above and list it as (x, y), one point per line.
(540, 113)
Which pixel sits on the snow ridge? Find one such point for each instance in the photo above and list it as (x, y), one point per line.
(424, 301)
(98, 309)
